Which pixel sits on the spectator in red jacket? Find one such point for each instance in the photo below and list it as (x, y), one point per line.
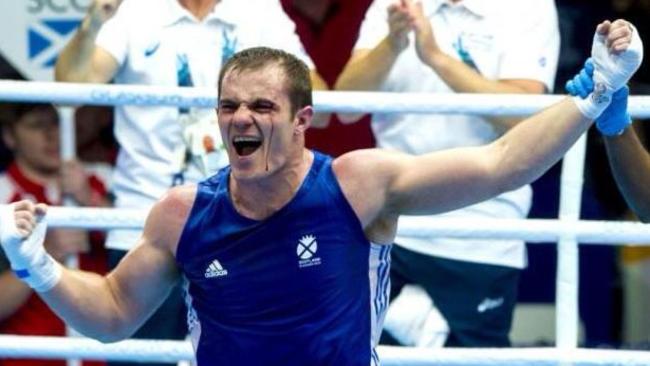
(31, 133)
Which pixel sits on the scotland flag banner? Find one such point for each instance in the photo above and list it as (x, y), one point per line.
(37, 30)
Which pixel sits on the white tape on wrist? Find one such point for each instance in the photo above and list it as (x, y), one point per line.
(42, 276)
(28, 258)
(594, 105)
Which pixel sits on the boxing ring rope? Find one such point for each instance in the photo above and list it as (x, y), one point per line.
(348, 102)
(175, 351)
(530, 230)
(568, 230)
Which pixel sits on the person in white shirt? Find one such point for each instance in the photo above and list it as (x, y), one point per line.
(457, 46)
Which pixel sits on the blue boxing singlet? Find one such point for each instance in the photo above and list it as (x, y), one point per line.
(302, 287)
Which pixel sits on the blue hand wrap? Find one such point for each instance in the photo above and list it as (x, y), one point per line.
(582, 84)
(615, 119)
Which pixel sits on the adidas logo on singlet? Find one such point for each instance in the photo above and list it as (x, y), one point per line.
(215, 269)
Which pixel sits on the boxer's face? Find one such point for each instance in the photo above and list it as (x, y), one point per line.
(260, 130)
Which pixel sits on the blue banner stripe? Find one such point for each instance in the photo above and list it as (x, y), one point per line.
(62, 26)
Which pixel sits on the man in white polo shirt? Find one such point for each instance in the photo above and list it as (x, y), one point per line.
(167, 43)
(457, 46)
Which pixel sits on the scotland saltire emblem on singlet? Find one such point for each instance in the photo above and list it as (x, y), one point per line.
(306, 251)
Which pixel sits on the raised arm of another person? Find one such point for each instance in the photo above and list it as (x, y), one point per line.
(628, 158)
(630, 164)
(106, 308)
(396, 184)
(81, 60)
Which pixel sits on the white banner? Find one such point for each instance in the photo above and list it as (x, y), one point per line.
(35, 31)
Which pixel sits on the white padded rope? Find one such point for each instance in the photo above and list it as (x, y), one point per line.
(89, 349)
(350, 102)
(535, 230)
(530, 230)
(95, 218)
(174, 351)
